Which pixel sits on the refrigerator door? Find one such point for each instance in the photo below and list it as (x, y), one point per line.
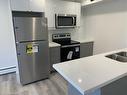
(33, 61)
(30, 28)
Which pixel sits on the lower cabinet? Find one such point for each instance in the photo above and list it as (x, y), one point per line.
(118, 87)
(54, 56)
(86, 49)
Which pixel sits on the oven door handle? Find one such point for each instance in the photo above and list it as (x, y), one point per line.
(66, 46)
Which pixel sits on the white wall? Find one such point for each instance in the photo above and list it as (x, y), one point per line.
(106, 23)
(7, 43)
(74, 33)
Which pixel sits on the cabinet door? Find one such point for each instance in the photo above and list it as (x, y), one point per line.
(86, 49)
(37, 5)
(20, 5)
(116, 88)
(54, 56)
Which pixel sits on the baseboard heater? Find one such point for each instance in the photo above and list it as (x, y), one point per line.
(7, 70)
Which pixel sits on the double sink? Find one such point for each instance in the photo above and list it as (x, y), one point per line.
(120, 56)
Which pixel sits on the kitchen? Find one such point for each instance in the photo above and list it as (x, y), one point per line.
(103, 23)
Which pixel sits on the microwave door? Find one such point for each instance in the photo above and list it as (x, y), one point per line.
(65, 22)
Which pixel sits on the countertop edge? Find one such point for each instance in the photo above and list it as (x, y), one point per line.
(84, 40)
(53, 44)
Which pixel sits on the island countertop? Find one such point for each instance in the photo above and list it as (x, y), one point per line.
(91, 73)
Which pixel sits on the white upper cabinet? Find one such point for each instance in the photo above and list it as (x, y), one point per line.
(89, 2)
(37, 5)
(28, 5)
(20, 5)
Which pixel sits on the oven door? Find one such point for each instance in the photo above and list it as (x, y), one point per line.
(65, 21)
(70, 52)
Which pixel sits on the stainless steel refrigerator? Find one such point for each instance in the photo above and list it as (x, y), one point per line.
(31, 35)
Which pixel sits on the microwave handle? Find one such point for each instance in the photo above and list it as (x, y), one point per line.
(74, 21)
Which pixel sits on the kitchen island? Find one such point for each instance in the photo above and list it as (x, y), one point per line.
(86, 76)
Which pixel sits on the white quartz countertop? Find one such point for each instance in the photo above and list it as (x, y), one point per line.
(91, 73)
(53, 44)
(84, 40)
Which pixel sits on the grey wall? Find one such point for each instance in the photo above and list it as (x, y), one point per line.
(106, 23)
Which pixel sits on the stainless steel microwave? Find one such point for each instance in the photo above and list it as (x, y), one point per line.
(65, 20)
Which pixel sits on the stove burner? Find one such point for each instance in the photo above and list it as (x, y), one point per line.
(64, 39)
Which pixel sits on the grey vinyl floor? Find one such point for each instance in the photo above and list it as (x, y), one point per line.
(55, 85)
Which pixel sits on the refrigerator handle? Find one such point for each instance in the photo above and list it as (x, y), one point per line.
(18, 53)
(16, 27)
(44, 22)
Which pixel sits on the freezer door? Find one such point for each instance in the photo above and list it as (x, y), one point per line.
(30, 28)
(33, 61)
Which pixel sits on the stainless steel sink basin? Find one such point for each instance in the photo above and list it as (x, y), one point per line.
(121, 56)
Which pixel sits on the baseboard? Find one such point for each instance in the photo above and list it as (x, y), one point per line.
(7, 70)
